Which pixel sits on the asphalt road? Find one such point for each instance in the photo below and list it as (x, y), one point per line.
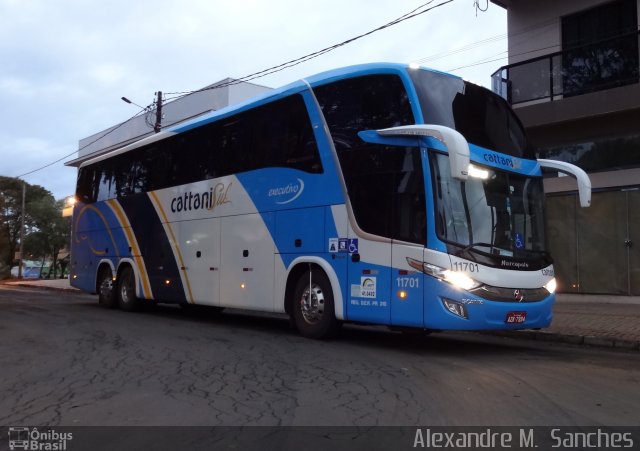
(66, 361)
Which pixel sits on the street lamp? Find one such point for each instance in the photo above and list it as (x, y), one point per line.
(124, 99)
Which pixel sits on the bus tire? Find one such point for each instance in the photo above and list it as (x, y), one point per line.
(106, 292)
(126, 291)
(313, 307)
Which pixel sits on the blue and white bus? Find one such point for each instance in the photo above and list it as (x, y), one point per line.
(379, 194)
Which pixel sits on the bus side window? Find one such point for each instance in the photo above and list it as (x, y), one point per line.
(87, 185)
(282, 136)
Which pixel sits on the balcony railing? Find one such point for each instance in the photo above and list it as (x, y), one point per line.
(603, 65)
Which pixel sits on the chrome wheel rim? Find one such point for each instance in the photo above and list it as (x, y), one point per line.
(312, 304)
(125, 293)
(105, 287)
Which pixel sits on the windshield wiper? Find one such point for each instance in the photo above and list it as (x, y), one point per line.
(471, 246)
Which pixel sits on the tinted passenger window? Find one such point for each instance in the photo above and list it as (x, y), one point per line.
(278, 134)
(364, 103)
(386, 189)
(385, 183)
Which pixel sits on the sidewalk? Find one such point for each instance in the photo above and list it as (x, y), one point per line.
(45, 284)
(593, 320)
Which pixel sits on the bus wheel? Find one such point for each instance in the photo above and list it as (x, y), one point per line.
(313, 310)
(106, 293)
(127, 290)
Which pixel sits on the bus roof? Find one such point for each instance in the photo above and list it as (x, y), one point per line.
(292, 88)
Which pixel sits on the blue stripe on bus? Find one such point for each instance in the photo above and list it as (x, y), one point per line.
(155, 247)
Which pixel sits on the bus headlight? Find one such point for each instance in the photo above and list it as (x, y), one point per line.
(460, 280)
(455, 278)
(551, 286)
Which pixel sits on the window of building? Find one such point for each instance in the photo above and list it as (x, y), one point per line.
(600, 47)
(602, 154)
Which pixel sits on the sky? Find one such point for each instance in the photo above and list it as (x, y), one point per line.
(65, 64)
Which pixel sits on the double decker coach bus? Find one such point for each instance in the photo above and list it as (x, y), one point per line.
(378, 194)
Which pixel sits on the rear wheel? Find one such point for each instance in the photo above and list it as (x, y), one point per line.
(106, 292)
(127, 290)
(313, 309)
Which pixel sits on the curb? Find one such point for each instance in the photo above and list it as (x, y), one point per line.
(584, 340)
(39, 287)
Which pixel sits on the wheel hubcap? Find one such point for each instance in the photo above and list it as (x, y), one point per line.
(124, 292)
(312, 303)
(106, 287)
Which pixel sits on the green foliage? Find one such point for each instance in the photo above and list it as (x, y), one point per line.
(46, 231)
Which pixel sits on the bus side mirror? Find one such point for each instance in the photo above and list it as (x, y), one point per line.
(584, 183)
(457, 145)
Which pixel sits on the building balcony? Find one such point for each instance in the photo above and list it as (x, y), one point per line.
(599, 66)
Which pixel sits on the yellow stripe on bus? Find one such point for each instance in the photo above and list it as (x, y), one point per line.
(173, 241)
(137, 255)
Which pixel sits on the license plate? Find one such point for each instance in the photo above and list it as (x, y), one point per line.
(516, 317)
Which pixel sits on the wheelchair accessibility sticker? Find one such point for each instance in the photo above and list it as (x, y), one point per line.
(519, 241)
(347, 245)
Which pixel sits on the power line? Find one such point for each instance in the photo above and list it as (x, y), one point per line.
(83, 147)
(512, 55)
(263, 73)
(487, 40)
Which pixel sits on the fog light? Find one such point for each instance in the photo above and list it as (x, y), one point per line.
(456, 308)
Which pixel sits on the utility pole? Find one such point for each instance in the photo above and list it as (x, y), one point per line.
(158, 125)
(24, 193)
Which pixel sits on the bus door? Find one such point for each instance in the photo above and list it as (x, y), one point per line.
(369, 276)
(387, 193)
(409, 232)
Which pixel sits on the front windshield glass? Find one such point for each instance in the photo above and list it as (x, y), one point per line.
(482, 117)
(501, 215)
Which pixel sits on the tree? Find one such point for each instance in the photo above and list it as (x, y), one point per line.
(46, 231)
(10, 204)
(50, 234)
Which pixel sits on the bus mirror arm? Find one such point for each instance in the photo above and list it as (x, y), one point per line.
(584, 183)
(457, 145)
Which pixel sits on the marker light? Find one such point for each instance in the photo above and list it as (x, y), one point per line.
(242, 285)
(455, 278)
(551, 286)
(167, 282)
(478, 173)
(403, 295)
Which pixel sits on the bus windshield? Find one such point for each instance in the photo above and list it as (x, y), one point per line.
(501, 214)
(482, 117)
